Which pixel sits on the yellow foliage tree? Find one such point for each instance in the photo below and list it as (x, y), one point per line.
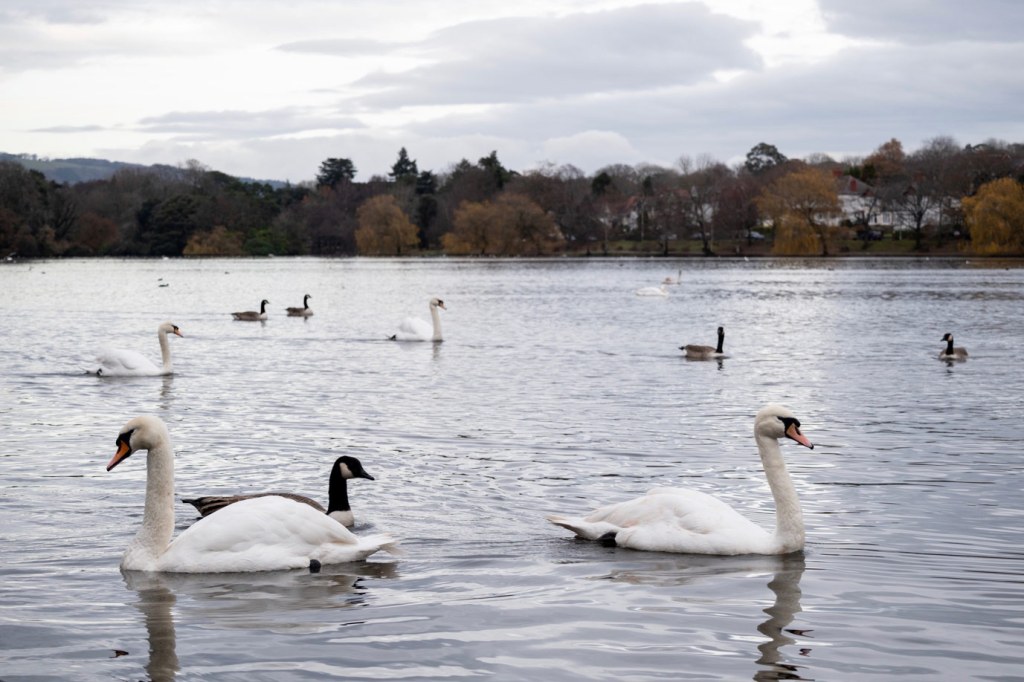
(384, 228)
(995, 217)
(802, 205)
(219, 241)
(511, 226)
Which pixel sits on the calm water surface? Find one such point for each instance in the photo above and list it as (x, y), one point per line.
(556, 390)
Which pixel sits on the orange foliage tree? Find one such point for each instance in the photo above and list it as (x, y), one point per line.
(803, 205)
(511, 226)
(384, 228)
(995, 217)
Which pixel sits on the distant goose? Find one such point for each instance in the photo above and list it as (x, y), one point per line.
(116, 362)
(261, 534)
(951, 353)
(692, 522)
(416, 329)
(696, 352)
(304, 311)
(252, 315)
(338, 508)
(652, 291)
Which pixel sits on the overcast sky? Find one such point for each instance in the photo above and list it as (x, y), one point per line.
(269, 89)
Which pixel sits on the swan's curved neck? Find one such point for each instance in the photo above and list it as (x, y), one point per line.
(152, 538)
(165, 351)
(436, 318)
(789, 519)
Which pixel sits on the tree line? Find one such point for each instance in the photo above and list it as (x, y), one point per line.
(940, 191)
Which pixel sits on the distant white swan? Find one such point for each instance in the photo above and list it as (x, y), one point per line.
(116, 362)
(252, 315)
(338, 508)
(692, 522)
(262, 534)
(416, 329)
(652, 291)
(697, 352)
(950, 352)
(304, 311)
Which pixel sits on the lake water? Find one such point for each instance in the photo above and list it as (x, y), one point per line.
(556, 390)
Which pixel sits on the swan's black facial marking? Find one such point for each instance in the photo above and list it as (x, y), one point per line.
(126, 439)
(790, 421)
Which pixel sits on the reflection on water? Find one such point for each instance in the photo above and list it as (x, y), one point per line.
(555, 387)
(786, 586)
(279, 602)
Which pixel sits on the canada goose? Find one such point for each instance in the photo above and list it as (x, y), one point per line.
(252, 315)
(338, 508)
(696, 352)
(951, 353)
(304, 311)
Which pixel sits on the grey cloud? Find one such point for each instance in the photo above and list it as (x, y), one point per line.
(244, 124)
(850, 104)
(926, 21)
(522, 59)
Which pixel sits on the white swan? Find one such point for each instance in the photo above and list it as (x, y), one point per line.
(338, 508)
(116, 362)
(652, 291)
(691, 522)
(252, 315)
(304, 311)
(697, 352)
(261, 534)
(415, 329)
(951, 353)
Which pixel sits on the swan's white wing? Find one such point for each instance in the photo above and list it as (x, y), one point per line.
(265, 534)
(672, 520)
(414, 329)
(120, 362)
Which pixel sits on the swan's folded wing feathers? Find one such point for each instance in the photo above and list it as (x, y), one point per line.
(113, 359)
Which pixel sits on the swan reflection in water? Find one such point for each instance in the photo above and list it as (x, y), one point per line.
(277, 601)
(786, 572)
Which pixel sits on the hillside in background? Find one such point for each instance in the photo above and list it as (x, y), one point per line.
(76, 170)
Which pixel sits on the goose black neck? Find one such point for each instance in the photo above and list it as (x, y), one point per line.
(721, 340)
(949, 346)
(337, 492)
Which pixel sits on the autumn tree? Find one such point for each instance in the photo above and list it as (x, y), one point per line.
(995, 217)
(511, 226)
(216, 242)
(384, 229)
(803, 206)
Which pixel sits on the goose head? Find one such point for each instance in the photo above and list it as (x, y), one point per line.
(775, 421)
(350, 467)
(437, 303)
(140, 433)
(947, 337)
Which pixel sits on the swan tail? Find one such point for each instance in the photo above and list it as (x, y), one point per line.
(584, 529)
